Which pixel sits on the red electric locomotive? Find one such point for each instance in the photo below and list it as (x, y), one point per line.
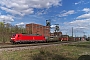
(19, 38)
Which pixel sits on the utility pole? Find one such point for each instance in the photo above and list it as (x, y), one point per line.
(72, 31)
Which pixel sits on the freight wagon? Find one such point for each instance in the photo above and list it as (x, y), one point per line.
(19, 38)
(64, 38)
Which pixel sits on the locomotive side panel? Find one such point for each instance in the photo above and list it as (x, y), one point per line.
(32, 38)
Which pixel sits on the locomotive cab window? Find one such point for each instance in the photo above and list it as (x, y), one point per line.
(13, 35)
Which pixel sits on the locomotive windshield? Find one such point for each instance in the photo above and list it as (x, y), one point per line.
(13, 35)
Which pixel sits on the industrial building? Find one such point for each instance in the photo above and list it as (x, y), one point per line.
(33, 28)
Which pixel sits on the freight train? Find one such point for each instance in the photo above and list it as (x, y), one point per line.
(25, 38)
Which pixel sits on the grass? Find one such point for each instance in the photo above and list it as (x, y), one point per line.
(59, 52)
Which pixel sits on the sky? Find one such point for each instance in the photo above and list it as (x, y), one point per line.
(67, 13)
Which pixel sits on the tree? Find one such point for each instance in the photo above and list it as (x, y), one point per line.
(6, 30)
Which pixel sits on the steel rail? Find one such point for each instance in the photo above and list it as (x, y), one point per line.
(33, 44)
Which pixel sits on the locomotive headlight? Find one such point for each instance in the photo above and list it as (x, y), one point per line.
(12, 38)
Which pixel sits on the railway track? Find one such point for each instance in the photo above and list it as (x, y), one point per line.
(32, 44)
(9, 47)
